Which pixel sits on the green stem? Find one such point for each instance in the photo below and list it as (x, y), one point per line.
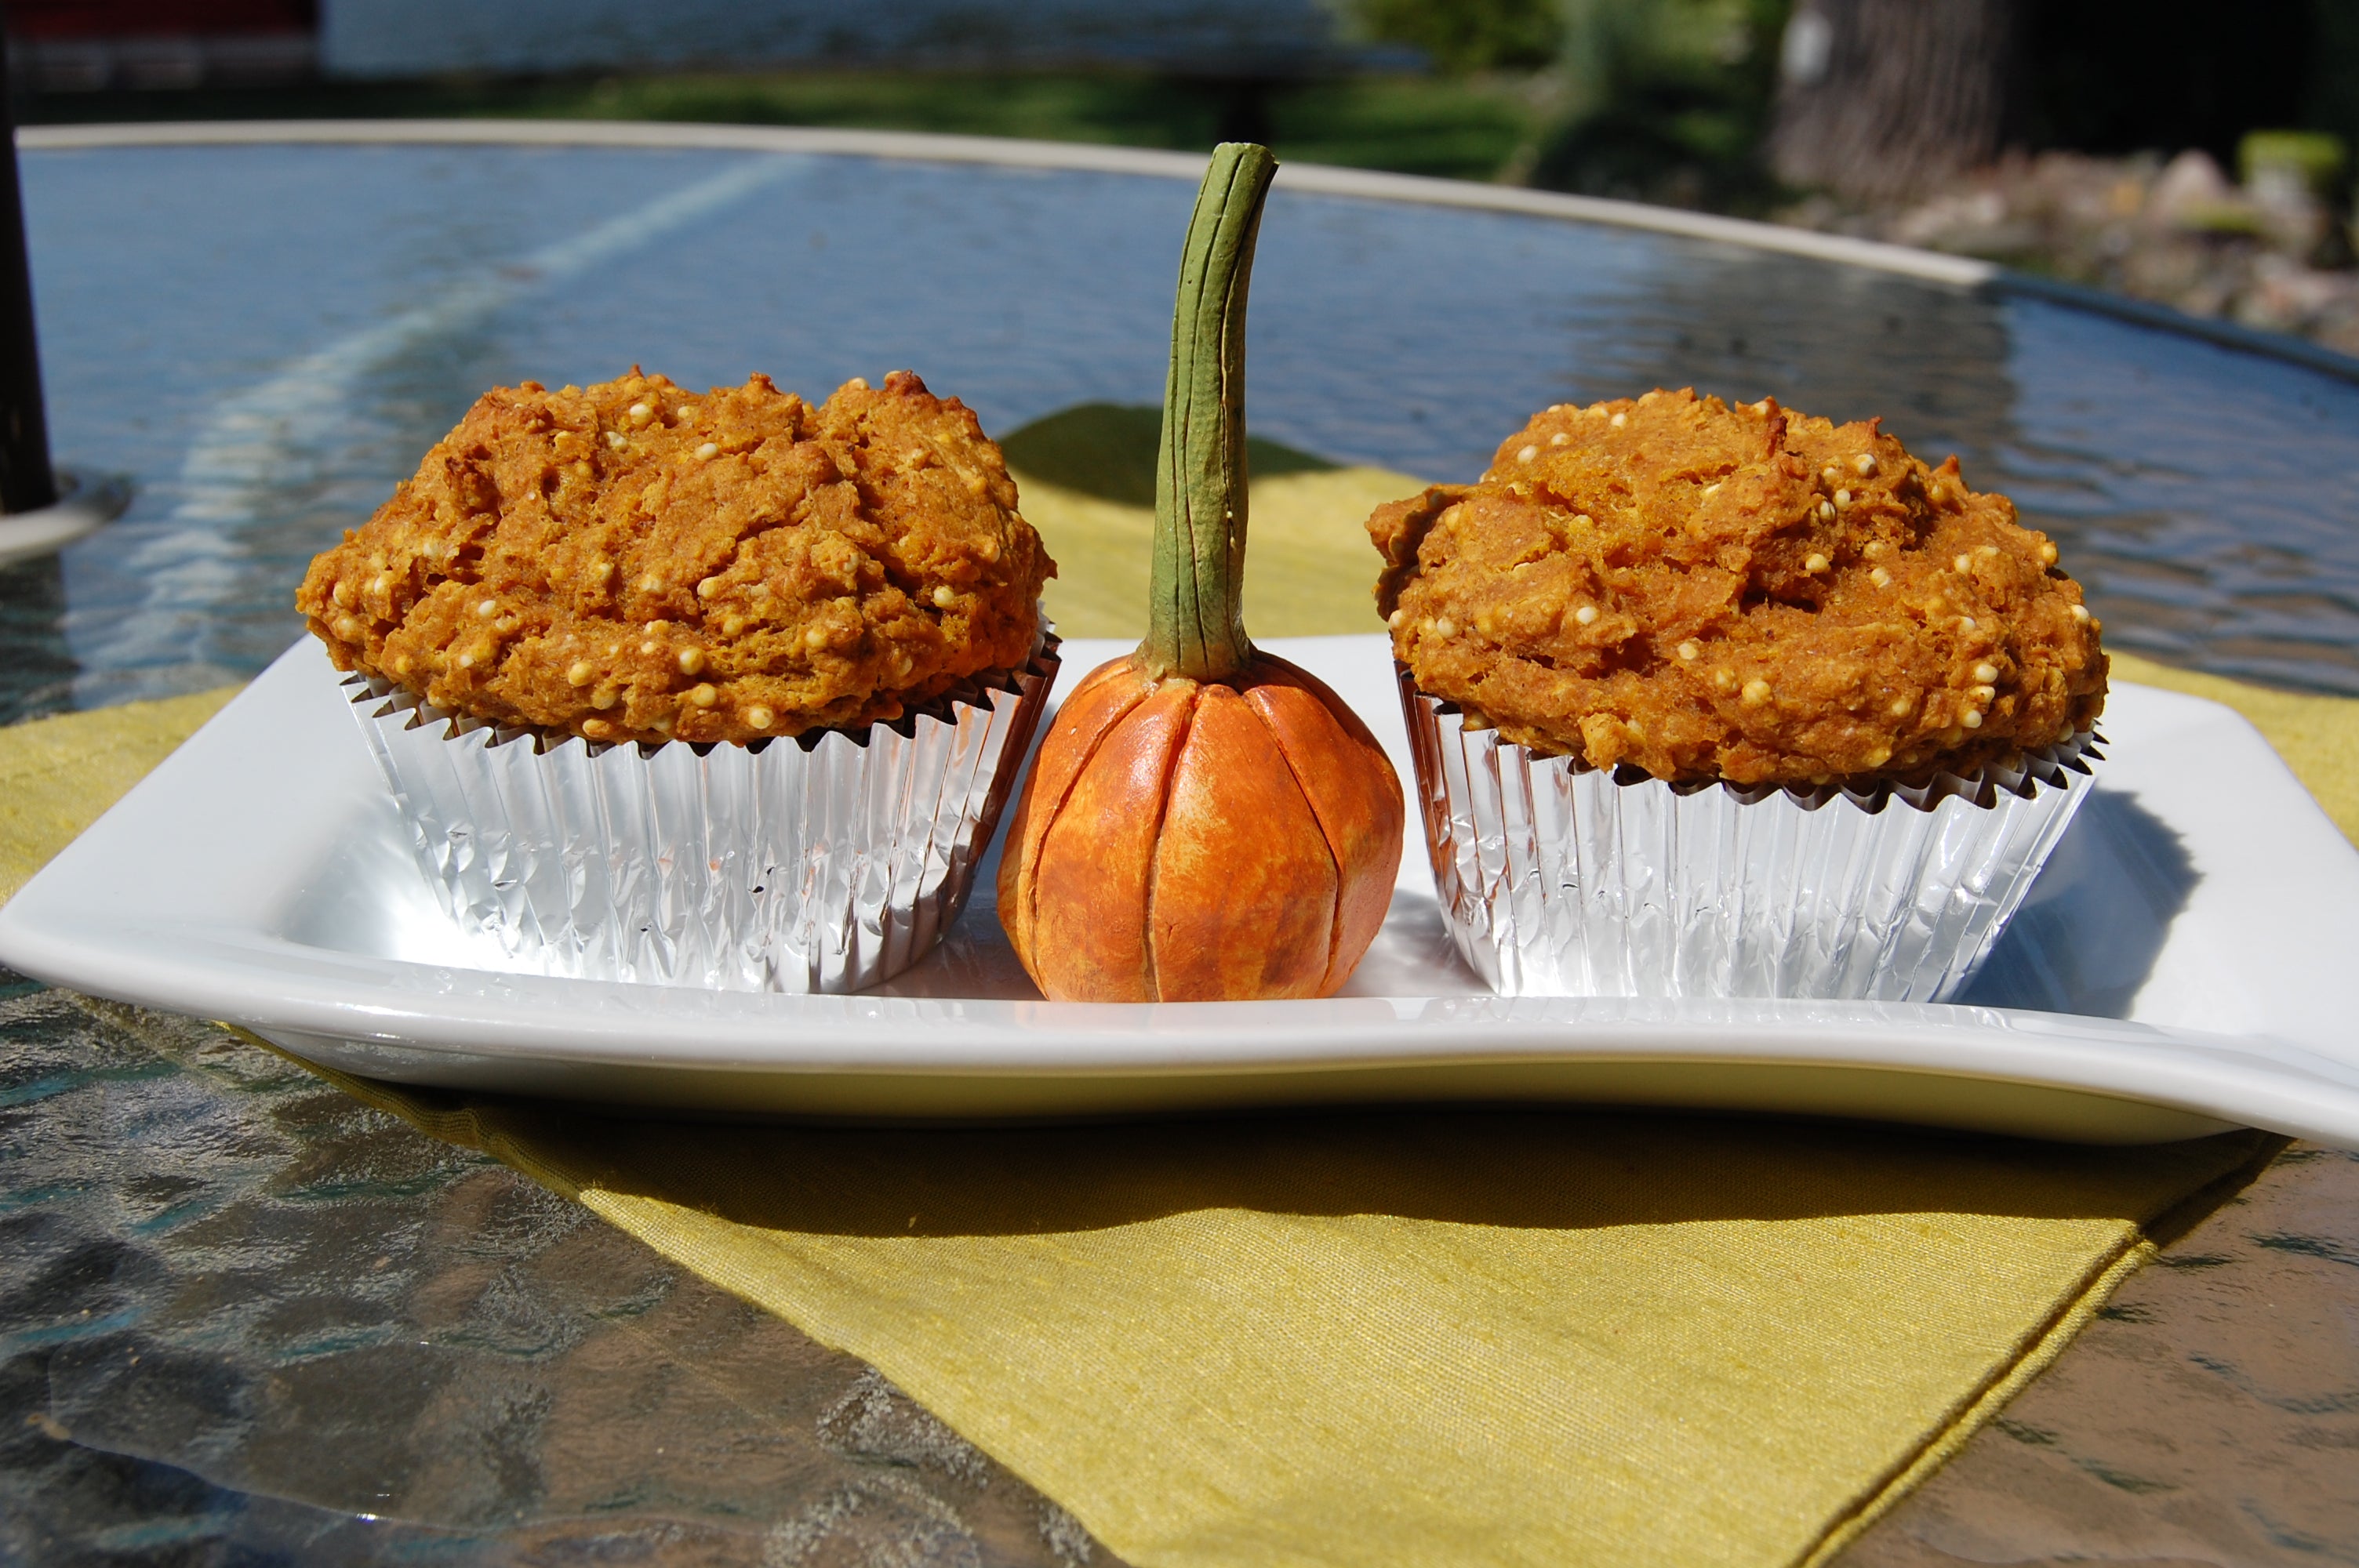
(1195, 611)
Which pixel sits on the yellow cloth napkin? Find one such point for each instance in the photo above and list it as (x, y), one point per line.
(1436, 1337)
(58, 775)
(1561, 1337)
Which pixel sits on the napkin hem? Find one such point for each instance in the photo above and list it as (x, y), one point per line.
(2141, 1243)
(2060, 1332)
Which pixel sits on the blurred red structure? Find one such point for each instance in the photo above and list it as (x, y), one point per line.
(65, 46)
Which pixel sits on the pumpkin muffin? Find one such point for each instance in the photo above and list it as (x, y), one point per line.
(633, 562)
(1743, 594)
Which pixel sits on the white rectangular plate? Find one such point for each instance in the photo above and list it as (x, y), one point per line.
(2184, 963)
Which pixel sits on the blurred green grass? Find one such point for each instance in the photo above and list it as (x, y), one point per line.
(1659, 99)
(1662, 101)
(1453, 126)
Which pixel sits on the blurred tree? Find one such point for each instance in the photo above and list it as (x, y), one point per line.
(1663, 101)
(2119, 76)
(2333, 98)
(1880, 98)
(1466, 35)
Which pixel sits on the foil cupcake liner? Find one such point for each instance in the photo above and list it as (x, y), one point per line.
(825, 863)
(1562, 880)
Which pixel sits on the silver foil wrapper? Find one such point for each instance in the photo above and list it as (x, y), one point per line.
(1562, 880)
(821, 863)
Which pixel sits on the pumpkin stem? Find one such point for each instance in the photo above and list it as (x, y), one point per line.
(1195, 614)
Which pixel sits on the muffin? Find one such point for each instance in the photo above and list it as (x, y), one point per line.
(632, 562)
(721, 689)
(1669, 664)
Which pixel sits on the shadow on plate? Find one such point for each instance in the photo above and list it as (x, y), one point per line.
(2086, 940)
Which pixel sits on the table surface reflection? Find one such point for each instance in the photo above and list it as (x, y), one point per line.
(244, 1316)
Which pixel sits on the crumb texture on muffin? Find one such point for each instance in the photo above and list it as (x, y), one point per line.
(1744, 594)
(630, 561)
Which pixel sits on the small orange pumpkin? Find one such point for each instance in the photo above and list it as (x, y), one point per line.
(1205, 821)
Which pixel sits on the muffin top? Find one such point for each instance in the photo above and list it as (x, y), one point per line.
(1742, 594)
(630, 561)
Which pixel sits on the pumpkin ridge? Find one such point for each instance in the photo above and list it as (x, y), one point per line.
(1335, 814)
(1029, 854)
(1155, 852)
(1275, 670)
(1089, 935)
(1334, 854)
